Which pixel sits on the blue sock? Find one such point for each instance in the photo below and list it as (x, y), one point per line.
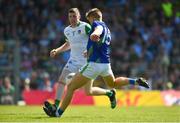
(132, 81)
(60, 111)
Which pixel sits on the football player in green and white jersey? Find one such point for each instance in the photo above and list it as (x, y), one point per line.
(76, 40)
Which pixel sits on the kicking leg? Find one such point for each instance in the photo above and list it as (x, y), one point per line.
(59, 92)
(77, 81)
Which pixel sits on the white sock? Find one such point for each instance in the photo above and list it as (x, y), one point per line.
(60, 91)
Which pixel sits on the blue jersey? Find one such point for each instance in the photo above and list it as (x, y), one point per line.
(99, 52)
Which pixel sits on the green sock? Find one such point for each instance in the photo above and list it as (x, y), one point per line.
(109, 93)
(57, 102)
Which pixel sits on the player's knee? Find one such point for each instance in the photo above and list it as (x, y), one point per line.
(121, 79)
(111, 85)
(62, 83)
(89, 92)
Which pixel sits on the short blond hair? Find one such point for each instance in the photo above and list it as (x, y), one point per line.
(95, 12)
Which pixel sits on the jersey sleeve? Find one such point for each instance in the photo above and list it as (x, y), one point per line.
(66, 39)
(95, 24)
(87, 28)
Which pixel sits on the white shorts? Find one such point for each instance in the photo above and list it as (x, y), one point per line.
(92, 70)
(72, 66)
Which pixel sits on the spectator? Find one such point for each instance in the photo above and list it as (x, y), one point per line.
(8, 90)
(47, 83)
(141, 32)
(167, 7)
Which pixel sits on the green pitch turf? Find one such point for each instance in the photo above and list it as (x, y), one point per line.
(92, 114)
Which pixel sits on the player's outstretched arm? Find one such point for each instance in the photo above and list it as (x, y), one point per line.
(63, 48)
(95, 36)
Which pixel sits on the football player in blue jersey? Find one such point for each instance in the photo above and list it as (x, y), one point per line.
(98, 57)
(77, 35)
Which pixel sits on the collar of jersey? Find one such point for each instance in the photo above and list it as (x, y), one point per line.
(77, 24)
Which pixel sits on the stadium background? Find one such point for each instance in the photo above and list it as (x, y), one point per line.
(145, 42)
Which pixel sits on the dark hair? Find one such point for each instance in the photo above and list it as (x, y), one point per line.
(74, 10)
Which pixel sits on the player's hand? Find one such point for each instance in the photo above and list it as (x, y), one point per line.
(94, 37)
(85, 53)
(53, 53)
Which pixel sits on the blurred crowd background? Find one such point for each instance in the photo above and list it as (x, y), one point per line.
(145, 40)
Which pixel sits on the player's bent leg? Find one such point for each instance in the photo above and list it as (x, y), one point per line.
(61, 84)
(121, 81)
(77, 81)
(109, 80)
(94, 91)
(49, 108)
(59, 92)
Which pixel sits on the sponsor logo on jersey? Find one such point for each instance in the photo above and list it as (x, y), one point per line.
(79, 31)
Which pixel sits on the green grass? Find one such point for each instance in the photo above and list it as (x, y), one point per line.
(91, 114)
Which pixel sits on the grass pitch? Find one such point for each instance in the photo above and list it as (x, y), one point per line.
(92, 114)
